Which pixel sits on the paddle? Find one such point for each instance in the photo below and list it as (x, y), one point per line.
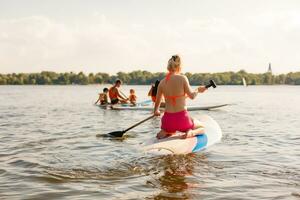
(123, 94)
(120, 133)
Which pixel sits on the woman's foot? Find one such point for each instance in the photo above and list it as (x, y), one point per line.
(193, 133)
(188, 134)
(162, 134)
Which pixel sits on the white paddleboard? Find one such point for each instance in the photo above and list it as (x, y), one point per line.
(150, 108)
(146, 103)
(175, 145)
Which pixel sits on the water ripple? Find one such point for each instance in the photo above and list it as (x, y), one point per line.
(56, 146)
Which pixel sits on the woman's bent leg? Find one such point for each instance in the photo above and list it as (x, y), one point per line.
(198, 129)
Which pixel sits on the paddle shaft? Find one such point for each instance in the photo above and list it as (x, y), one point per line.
(135, 125)
(123, 94)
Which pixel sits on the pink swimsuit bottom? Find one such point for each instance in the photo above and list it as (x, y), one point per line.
(179, 121)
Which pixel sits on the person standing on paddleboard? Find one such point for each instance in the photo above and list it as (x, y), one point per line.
(174, 88)
(114, 94)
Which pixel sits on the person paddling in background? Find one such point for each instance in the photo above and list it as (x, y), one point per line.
(103, 98)
(132, 97)
(153, 92)
(114, 94)
(175, 87)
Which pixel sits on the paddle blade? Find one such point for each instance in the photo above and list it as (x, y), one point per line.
(117, 133)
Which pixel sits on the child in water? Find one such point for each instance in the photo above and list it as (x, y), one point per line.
(103, 98)
(132, 97)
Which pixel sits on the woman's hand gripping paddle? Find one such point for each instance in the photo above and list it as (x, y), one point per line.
(203, 88)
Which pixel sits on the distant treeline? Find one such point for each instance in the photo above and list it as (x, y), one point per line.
(145, 78)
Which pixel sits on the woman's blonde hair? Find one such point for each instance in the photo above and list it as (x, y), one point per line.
(174, 64)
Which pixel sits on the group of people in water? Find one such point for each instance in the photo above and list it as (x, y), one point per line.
(171, 91)
(116, 96)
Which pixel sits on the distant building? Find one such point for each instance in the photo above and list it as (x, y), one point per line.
(270, 68)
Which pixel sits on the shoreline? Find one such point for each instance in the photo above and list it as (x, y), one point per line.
(146, 78)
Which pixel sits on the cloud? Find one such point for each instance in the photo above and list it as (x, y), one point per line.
(32, 40)
(100, 44)
(41, 43)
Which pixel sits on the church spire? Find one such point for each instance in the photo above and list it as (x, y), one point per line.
(270, 68)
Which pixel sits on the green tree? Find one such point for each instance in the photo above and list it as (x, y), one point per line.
(3, 80)
(91, 78)
(145, 77)
(124, 77)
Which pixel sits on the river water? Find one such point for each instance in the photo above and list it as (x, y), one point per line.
(49, 148)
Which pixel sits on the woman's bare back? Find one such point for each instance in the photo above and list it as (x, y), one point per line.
(174, 92)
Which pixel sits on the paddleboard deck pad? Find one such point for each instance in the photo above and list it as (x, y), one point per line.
(175, 145)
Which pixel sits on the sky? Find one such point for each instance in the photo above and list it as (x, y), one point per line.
(126, 35)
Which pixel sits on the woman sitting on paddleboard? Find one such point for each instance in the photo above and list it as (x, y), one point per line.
(175, 87)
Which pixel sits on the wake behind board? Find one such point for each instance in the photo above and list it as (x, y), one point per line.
(175, 145)
(150, 108)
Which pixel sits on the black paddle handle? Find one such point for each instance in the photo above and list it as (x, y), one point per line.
(139, 123)
(211, 84)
